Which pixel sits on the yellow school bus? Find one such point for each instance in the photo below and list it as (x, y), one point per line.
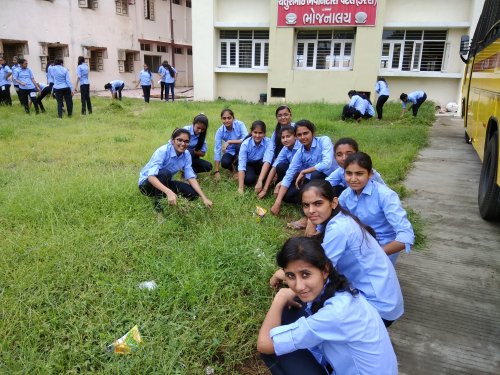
(481, 105)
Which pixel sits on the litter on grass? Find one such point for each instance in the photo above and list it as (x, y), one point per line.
(149, 285)
(128, 343)
(259, 213)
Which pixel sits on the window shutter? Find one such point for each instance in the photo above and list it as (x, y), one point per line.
(95, 4)
(44, 51)
(121, 66)
(152, 10)
(83, 3)
(100, 61)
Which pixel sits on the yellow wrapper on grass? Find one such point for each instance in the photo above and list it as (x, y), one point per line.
(128, 342)
(259, 213)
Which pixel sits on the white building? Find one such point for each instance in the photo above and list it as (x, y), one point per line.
(318, 50)
(115, 36)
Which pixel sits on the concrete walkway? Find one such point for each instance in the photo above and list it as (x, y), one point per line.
(451, 288)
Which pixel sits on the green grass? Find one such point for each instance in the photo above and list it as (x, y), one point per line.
(76, 237)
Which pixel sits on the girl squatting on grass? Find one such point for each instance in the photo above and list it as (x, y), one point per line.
(338, 329)
(376, 205)
(283, 117)
(254, 158)
(228, 140)
(156, 178)
(197, 143)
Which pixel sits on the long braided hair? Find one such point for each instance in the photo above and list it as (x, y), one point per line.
(201, 119)
(309, 250)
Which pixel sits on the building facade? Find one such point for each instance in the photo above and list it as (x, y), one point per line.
(318, 50)
(116, 37)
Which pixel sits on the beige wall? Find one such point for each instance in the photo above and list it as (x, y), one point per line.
(64, 22)
(456, 16)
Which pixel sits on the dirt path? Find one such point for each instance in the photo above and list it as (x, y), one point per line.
(451, 288)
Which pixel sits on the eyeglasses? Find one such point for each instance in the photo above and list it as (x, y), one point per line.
(182, 141)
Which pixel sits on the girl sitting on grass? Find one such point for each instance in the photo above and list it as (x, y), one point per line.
(156, 178)
(338, 328)
(197, 143)
(376, 205)
(284, 118)
(282, 162)
(254, 158)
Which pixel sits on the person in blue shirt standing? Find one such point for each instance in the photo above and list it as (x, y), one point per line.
(15, 67)
(356, 108)
(197, 143)
(255, 152)
(115, 87)
(228, 140)
(146, 82)
(415, 99)
(162, 71)
(5, 75)
(82, 73)
(382, 90)
(28, 87)
(169, 74)
(156, 178)
(336, 331)
(376, 205)
(313, 160)
(62, 88)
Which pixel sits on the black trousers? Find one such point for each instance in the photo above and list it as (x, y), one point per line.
(281, 169)
(163, 86)
(380, 105)
(165, 177)
(85, 98)
(292, 194)
(253, 171)
(169, 87)
(23, 97)
(199, 165)
(119, 91)
(146, 91)
(299, 362)
(46, 91)
(228, 161)
(5, 98)
(66, 94)
(420, 101)
(350, 112)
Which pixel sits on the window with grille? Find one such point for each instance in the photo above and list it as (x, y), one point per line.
(178, 51)
(91, 4)
(243, 48)
(188, 3)
(189, 51)
(145, 47)
(324, 49)
(97, 56)
(121, 7)
(11, 49)
(161, 48)
(178, 2)
(149, 10)
(414, 50)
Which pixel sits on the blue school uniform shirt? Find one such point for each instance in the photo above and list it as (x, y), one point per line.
(273, 136)
(15, 68)
(61, 77)
(25, 76)
(239, 131)
(286, 154)
(380, 208)
(161, 72)
(82, 71)
(349, 333)
(369, 108)
(193, 140)
(337, 177)
(145, 77)
(382, 88)
(413, 97)
(357, 102)
(168, 77)
(115, 85)
(250, 151)
(50, 76)
(320, 156)
(166, 157)
(357, 255)
(4, 72)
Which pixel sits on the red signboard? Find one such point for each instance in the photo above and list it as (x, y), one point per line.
(303, 13)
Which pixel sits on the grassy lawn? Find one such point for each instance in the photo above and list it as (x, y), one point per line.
(77, 237)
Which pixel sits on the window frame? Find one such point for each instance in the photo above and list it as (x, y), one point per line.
(121, 7)
(235, 53)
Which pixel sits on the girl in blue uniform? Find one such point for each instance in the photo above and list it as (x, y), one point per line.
(146, 82)
(313, 160)
(197, 144)
(82, 72)
(382, 89)
(376, 205)
(282, 161)
(255, 152)
(28, 87)
(156, 178)
(340, 329)
(283, 117)
(115, 87)
(228, 140)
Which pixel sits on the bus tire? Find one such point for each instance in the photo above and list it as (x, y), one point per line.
(489, 191)
(468, 140)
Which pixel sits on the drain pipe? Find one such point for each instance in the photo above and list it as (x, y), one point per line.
(172, 60)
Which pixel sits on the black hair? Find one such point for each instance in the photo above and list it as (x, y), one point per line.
(58, 62)
(256, 124)
(21, 61)
(49, 63)
(201, 119)
(361, 158)
(346, 141)
(81, 60)
(330, 192)
(179, 131)
(169, 68)
(277, 130)
(306, 123)
(227, 110)
(403, 97)
(107, 86)
(310, 251)
(287, 128)
(351, 93)
(380, 78)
